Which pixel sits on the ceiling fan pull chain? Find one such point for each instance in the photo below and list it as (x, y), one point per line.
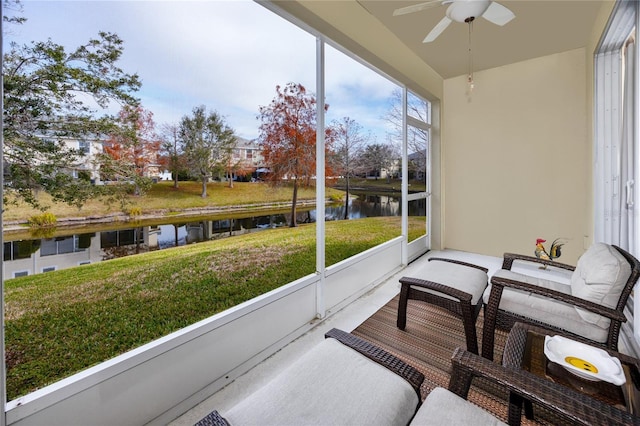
(470, 76)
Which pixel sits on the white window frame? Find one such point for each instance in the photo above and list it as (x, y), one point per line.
(608, 76)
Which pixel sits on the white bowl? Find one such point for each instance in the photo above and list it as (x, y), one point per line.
(584, 361)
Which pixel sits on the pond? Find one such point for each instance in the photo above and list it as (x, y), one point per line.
(72, 248)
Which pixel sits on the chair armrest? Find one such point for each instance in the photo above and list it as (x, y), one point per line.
(379, 355)
(509, 258)
(575, 407)
(440, 288)
(558, 295)
(459, 262)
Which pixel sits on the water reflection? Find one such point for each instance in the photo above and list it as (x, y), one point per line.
(26, 257)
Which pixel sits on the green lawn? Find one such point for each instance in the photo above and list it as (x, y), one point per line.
(64, 321)
(163, 197)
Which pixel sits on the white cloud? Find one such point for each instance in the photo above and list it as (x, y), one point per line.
(226, 55)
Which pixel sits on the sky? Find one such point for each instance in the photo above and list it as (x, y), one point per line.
(226, 55)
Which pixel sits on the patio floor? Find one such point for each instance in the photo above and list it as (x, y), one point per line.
(429, 340)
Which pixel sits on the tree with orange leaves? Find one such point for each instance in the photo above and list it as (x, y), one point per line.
(134, 149)
(237, 167)
(288, 138)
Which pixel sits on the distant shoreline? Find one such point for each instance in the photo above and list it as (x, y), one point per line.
(16, 226)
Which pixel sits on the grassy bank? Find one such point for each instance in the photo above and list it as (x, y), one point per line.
(382, 184)
(163, 197)
(64, 321)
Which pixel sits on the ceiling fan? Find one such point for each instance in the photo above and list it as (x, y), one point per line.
(460, 11)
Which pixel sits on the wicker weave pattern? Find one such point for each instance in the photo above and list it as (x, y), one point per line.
(379, 355)
(497, 318)
(461, 307)
(212, 419)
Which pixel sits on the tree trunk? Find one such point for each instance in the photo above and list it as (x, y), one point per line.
(346, 201)
(293, 223)
(204, 187)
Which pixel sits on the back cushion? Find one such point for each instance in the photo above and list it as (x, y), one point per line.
(600, 277)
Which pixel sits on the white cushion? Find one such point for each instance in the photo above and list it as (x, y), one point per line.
(465, 278)
(544, 309)
(445, 408)
(331, 384)
(600, 277)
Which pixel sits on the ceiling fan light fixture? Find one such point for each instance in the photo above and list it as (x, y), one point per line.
(461, 10)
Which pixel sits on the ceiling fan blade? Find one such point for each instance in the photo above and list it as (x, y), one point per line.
(416, 7)
(498, 14)
(437, 30)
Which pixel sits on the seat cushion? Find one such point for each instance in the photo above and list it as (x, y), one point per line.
(600, 276)
(331, 384)
(544, 309)
(468, 279)
(442, 407)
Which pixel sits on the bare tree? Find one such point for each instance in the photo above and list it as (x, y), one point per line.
(349, 145)
(172, 148)
(417, 139)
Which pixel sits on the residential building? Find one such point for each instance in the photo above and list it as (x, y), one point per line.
(246, 158)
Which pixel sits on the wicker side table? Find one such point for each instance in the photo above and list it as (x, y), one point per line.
(524, 350)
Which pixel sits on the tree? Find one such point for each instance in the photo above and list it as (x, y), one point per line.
(417, 143)
(288, 138)
(237, 167)
(349, 144)
(208, 143)
(52, 95)
(380, 157)
(172, 158)
(417, 139)
(131, 153)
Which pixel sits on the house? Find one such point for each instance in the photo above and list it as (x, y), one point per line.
(249, 152)
(246, 158)
(88, 163)
(523, 145)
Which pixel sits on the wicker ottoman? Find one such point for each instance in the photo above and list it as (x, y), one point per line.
(451, 284)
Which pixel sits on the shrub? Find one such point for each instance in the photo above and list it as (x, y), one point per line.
(135, 211)
(44, 220)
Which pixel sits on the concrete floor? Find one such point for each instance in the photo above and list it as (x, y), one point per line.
(347, 319)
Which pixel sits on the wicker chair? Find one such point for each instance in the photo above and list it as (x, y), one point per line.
(560, 307)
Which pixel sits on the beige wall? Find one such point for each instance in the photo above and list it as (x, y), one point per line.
(516, 157)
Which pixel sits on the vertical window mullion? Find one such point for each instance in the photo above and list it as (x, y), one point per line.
(320, 179)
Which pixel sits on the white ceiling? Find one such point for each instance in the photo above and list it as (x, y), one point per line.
(540, 28)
